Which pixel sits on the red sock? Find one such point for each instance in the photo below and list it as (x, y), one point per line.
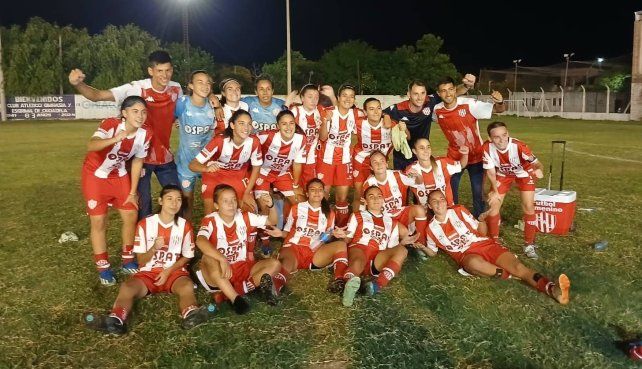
(544, 285)
(187, 310)
(421, 224)
(102, 261)
(340, 262)
(343, 213)
(530, 228)
(119, 312)
(280, 279)
(492, 222)
(127, 254)
(389, 271)
(348, 275)
(248, 285)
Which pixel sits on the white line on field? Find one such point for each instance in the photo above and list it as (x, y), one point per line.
(604, 145)
(605, 157)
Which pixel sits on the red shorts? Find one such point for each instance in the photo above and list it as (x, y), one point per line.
(335, 174)
(239, 183)
(489, 250)
(240, 273)
(303, 254)
(282, 183)
(309, 172)
(100, 193)
(361, 171)
(524, 184)
(149, 278)
(370, 253)
(402, 215)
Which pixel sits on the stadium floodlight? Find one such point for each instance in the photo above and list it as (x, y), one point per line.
(599, 67)
(568, 58)
(515, 61)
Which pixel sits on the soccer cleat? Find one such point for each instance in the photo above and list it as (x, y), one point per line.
(115, 325)
(420, 255)
(350, 290)
(107, 277)
(196, 317)
(241, 305)
(529, 250)
(336, 285)
(564, 284)
(130, 267)
(266, 286)
(372, 288)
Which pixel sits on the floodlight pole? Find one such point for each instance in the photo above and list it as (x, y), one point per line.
(288, 45)
(186, 37)
(515, 61)
(3, 102)
(568, 58)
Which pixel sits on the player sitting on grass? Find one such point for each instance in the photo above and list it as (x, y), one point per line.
(508, 160)
(374, 247)
(455, 230)
(164, 246)
(228, 262)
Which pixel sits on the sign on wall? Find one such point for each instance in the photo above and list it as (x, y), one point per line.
(41, 107)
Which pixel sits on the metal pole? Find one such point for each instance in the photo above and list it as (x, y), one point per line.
(60, 57)
(186, 39)
(289, 50)
(3, 102)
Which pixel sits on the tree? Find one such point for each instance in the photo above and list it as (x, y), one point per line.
(240, 73)
(301, 68)
(199, 59)
(344, 62)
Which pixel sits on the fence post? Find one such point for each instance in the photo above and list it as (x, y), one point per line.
(562, 102)
(543, 99)
(583, 99)
(608, 99)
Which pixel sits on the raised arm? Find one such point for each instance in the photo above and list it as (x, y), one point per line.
(77, 78)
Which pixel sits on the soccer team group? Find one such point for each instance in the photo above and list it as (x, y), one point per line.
(268, 168)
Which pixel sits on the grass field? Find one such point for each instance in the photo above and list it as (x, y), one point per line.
(430, 317)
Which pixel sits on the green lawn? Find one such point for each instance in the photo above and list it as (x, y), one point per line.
(428, 317)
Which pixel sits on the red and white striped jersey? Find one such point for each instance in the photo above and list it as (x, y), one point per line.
(460, 126)
(229, 157)
(437, 177)
(370, 139)
(179, 241)
(394, 189)
(305, 225)
(221, 125)
(336, 149)
(456, 234)
(310, 123)
(379, 232)
(511, 162)
(279, 155)
(231, 239)
(160, 114)
(110, 161)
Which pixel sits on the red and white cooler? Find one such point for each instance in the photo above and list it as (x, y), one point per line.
(554, 210)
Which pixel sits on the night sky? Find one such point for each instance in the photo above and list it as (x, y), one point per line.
(479, 34)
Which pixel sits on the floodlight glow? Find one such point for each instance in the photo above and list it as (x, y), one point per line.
(599, 60)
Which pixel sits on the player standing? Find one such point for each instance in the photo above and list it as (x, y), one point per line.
(309, 116)
(231, 102)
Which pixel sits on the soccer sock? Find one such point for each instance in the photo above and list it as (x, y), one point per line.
(102, 261)
(492, 222)
(127, 253)
(340, 263)
(119, 312)
(188, 310)
(280, 279)
(421, 224)
(389, 271)
(248, 285)
(348, 275)
(543, 284)
(501, 273)
(530, 228)
(343, 213)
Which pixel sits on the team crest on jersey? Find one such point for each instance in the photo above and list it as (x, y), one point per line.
(355, 173)
(92, 204)
(440, 116)
(174, 96)
(426, 111)
(320, 176)
(276, 112)
(461, 112)
(186, 183)
(259, 181)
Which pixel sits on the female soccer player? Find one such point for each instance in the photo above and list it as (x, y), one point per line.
(230, 101)
(374, 248)
(455, 230)
(309, 117)
(226, 159)
(164, 246)
(333, 158)
(307, 231)
(228, 263)
(105, 181)
(508, 160)
(195, 122)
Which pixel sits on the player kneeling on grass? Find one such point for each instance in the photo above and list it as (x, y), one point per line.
(164, 246)
(309, 226)
(455, 230)
(228, 263)
(507, 160)
(106, 181)
(374, 247)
